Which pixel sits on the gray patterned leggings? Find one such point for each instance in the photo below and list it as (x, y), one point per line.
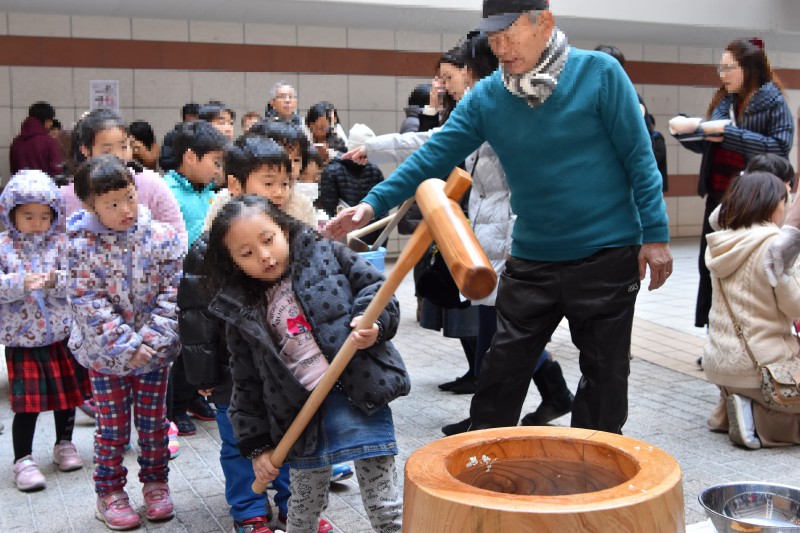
(377, 478)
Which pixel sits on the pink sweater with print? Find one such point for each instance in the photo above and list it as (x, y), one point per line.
(296, 344)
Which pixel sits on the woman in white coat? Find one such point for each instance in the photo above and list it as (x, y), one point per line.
(489, 211)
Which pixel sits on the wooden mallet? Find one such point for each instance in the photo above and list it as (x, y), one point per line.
(471, 270)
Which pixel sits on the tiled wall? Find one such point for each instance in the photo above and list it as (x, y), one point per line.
(157, 95)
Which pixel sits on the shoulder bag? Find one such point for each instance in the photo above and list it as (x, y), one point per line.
(780, 382)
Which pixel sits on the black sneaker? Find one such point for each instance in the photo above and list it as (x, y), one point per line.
(458, 427)
(547, 412)
(185, 425)
(200, 409)
(465, 386)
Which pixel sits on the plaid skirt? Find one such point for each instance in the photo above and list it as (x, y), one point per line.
(43, 378)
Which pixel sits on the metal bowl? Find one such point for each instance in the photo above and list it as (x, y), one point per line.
(752, 507)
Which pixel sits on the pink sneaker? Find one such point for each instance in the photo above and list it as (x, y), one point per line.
(323, 527)
(66, 456)
(27, 475)
(174, 446)
(157, 501)
(116, 512)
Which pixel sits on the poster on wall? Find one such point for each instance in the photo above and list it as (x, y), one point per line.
(104, 94)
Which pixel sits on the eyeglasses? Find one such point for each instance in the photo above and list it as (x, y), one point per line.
(722, 69)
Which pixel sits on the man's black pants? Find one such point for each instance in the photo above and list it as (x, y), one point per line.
(597, 296)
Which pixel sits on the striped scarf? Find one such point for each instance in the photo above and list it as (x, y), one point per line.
(538, 84)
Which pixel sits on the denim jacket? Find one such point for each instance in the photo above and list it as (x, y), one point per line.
(333, 285)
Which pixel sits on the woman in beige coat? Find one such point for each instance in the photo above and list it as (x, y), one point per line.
(750, 217)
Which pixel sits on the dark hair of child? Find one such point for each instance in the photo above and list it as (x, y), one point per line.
(751, 199)
(320, 110)
(198, 136)
(99, 175)
(772, 163)
(311, 155)
(222, 271)
(143, 132)
(420, 96)
(42, 111)
(189, 109)
(96, 121)
(56, 125)
(613, 51)
(213, 109)
(281, 132)
(251, 152)
(250, 114)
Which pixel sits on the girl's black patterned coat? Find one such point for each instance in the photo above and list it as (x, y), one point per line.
(333, 285)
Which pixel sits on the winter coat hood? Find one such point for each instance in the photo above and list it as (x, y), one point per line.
(83, 220)
(31, 127)
(412, 110)
(729, 250)
(32, 317)
(27, 187)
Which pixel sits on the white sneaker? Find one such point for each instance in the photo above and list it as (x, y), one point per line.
(741, 425)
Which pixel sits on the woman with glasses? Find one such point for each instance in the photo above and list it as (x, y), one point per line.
(748, 115)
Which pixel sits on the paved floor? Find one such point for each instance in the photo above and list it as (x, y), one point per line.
(669, 403)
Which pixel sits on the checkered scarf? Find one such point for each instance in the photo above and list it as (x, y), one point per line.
(538, 84)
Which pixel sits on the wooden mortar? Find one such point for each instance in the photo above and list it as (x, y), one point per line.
(543, 480)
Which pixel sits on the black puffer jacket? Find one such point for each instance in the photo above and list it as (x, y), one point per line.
(333, 285)
(204, 352)
(346, 180)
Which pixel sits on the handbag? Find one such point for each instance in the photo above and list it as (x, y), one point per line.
(780, 382)
(435, 283)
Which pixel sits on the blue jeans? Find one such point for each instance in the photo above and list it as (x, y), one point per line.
(239, 476)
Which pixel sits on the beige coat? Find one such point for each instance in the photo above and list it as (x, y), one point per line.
(735, 259)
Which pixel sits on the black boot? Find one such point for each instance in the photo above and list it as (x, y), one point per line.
(556, 397)
(465, 384)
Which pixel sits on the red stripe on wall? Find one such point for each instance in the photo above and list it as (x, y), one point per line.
(682, 185)
(112, 53)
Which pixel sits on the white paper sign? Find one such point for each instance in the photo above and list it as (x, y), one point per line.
(104, 94)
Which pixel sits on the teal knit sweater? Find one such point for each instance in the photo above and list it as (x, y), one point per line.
(194, 203)
(580, 167)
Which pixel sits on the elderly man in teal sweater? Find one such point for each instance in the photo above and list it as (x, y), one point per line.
(584, 184)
